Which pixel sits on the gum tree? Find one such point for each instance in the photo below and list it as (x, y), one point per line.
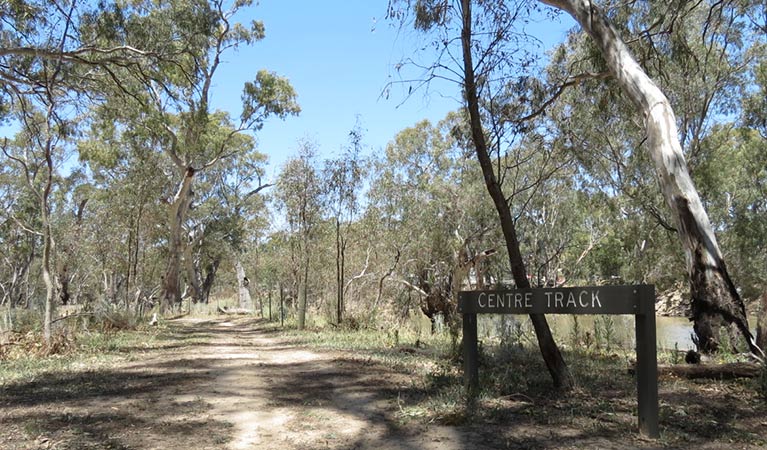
(481, 51)
(173, 103)
(298, 195)
(714, 295)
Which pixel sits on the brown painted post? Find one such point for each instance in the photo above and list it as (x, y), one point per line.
(637, 300)
(270, 304)
(470, 354)
(647, 364)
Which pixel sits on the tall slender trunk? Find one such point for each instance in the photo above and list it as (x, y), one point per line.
(342, 280)
(303, 290)
(551, 355)
(715, 299)
(137, 245)
(282, 306)
(339, 274)
(48, 244)
(129, 277)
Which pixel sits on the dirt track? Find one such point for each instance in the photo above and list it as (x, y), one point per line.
(241, 389)
(232, 383)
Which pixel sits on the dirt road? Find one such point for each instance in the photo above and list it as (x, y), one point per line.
(219, 384)
(226, 383)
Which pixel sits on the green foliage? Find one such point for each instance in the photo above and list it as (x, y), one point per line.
(267, 95)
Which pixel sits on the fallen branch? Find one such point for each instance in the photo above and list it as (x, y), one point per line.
(240, 311)
(81, 314)
(727, 371)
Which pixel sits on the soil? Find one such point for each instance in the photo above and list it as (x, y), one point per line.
(232, 384)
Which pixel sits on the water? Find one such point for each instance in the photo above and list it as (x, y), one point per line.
(671, 332)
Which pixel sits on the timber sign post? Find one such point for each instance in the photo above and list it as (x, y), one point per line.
(636, 300)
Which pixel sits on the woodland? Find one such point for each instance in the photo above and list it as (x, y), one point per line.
(637, 155)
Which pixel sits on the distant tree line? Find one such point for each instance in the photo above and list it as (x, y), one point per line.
(123, 186)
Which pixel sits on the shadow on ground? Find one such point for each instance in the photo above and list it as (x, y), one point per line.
(220, 383)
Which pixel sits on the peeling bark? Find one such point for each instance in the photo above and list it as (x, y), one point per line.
(243, 293)
(714, 298)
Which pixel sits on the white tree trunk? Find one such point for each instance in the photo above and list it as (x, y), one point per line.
(243, 292)
(714, 297)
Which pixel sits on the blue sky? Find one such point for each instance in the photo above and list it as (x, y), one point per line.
(339, 56)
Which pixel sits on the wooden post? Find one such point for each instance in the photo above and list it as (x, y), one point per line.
(647, 364)
(470, 354)
(282, 310)
(637, 300)
(270, 304)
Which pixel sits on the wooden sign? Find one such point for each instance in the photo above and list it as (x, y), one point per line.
(636, 300)
(575, 300)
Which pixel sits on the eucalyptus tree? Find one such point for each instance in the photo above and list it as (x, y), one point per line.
(19, 247)
(173, 102)
(67, 34)
(240, 215)
(40, 56)
(298, 195)
(123, 163)
(483, 52)
(343, 181)
(433, 220)
(715, 298)
(37, 152)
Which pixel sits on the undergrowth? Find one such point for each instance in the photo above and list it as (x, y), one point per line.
(515, 385)
(25, 356)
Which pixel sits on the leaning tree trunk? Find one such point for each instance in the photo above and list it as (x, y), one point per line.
(210, 277)
(714, 297)
(171, 286)
(549, 350)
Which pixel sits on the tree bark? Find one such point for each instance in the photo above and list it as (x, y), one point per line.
(193, 273)
(761, 325)
(48, 245)
(243, 292)
(210, 277)
(552, 357)
(715, 299)
(303, 291)
(48, 241)
(171, 287)
(339, 274)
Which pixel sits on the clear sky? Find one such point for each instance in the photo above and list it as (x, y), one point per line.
(339, 56)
